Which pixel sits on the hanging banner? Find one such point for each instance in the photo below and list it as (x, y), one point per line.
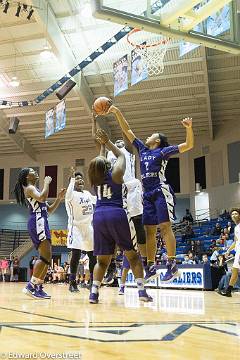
(49, 125)
(59, 237)
(60, 116)
(120, 75)
(139, 70)
(219, 22)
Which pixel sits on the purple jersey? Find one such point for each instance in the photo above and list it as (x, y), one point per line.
(37, 207)
(153, 164)
(110, 193)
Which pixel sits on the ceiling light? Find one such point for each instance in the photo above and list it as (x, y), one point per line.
(6, 6)
(14, 82)
(31, 11)
(18, 10)
(86, 11)
(46, 53)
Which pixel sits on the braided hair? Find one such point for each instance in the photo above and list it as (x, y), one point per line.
(18, 190)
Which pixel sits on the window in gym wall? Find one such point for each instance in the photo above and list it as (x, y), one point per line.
(52, 171)
(173, 174)
(200, 171)
(233, 161)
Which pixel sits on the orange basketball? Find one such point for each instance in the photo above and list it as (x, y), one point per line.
(101, 105)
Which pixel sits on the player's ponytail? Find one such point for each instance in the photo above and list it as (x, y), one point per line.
(97, 170)
(164, 140)
(19, 190)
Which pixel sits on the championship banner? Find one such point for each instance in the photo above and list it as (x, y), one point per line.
(185, 46)
(60, 116)
(49, 125)
(120, 75)
(139, 69)
(59, 237)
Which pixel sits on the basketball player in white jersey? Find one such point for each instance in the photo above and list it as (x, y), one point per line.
(79, 205)
(235, 215)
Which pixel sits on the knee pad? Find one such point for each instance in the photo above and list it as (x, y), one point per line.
(45, 260)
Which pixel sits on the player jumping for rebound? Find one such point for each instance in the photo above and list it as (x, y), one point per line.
(110, 222)
(158, 197)
(235, 215)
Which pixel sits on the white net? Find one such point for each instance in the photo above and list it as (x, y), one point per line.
(152, 50)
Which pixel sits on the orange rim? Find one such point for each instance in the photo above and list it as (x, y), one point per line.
(144, 46)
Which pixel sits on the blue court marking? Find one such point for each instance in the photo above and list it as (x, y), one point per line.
(177, 332)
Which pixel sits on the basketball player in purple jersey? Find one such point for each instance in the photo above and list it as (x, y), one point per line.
(27, 194)
(158, 197)
(110, 222)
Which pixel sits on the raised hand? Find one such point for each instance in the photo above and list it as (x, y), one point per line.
(62, 193)
(72, 172)
(102, 136)
(48, 179)
(187, 122)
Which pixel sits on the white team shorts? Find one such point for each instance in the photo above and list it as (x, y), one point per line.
(236, 263)
(80, 237)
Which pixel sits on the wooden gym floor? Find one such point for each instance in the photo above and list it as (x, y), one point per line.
(179, 324)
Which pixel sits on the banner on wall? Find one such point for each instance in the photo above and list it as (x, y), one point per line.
(59, 237)
(60, 116)
(120, 75)
(139, 71)
(49, 123)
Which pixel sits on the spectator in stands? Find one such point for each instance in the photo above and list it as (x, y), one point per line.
(228, 241)
(192, 258)
(217, 230)
(212, 247)
(16, 268)
(221, 261)
(189, 233)
(4, 265)
(198, 249)
(225, 215)
(230, 228)
(188, 260)
(49, 275)
(205, 259)
(188, 217)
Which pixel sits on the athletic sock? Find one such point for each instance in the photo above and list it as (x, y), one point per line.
(140, 283)
(36, 281)
(95, 286)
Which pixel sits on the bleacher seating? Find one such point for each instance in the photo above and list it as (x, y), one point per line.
(10, 240)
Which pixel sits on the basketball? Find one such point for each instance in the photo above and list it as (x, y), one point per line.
(101, 105)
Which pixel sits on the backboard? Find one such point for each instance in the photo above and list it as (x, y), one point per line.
(212, 23)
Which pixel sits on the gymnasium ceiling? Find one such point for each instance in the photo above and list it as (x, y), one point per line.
(203, 84)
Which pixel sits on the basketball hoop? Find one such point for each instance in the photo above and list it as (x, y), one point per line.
(151, 51)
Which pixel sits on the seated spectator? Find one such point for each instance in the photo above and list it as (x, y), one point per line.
(221, 262)
(189, 233)
(212, 247)
(192, 258)
(205, 259)
(187, 260)
(217, 230)
(230, 227)
(198, 248)
(228, 241)
(188, 216)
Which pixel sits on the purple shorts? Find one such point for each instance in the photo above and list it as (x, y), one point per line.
(159, 205)
(111, 228)
(125, 264)
(38, 229)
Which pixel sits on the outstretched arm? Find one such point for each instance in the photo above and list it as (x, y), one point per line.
(120, 164)
(94, 130)
(189, 143)
(54, 206)
(122, 122)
